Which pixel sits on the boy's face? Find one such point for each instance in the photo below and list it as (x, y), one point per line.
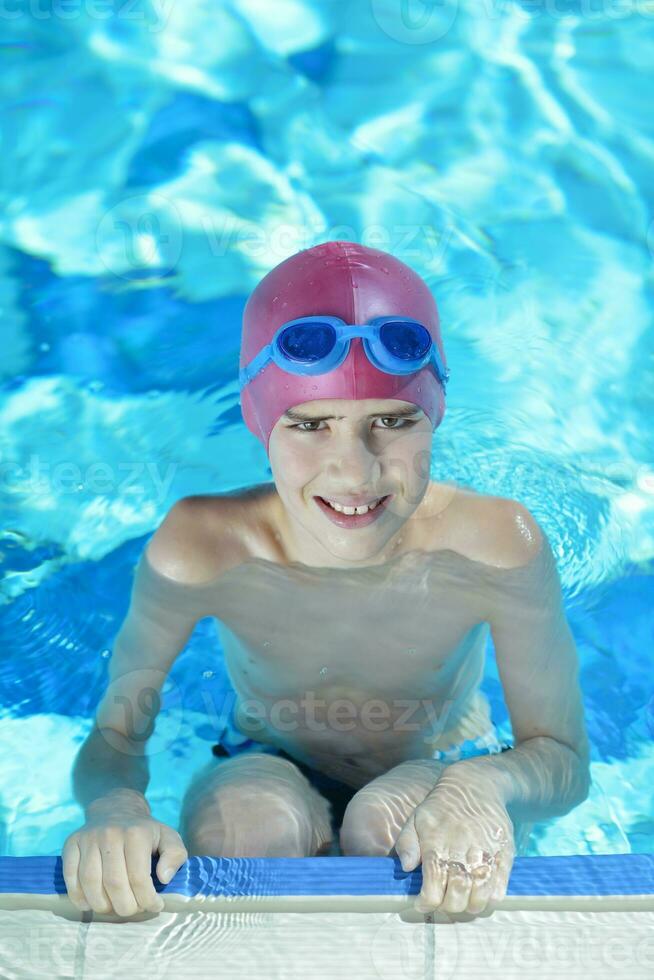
(342, 448)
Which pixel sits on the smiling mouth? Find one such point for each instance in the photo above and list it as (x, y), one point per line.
(351, 511)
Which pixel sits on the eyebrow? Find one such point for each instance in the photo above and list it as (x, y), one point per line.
(296, 416)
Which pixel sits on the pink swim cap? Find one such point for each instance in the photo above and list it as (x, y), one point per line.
(353, 282)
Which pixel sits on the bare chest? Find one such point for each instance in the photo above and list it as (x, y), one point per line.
(399, 629)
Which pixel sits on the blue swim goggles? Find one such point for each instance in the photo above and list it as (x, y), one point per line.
(318, 344)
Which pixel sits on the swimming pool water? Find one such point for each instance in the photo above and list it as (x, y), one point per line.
(154, 167)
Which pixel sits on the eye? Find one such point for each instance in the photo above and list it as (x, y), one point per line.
(382, 418)
(308, 422)
(396, 418)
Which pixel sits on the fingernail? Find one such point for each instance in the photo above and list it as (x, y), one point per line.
(165, 875)
(403, 859)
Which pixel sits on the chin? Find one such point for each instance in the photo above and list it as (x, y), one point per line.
(346, 547)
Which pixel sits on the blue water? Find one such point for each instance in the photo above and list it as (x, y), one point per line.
(156, 163)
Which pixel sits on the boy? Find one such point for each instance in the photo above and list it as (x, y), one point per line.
(354, 598)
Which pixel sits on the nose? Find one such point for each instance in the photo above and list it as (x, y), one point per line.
(353, 466)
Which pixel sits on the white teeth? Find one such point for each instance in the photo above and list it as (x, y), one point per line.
(352, 510)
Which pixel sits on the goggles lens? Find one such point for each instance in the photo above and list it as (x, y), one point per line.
(307, 342)
(407, 341)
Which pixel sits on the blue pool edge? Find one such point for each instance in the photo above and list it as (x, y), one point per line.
(593, 875)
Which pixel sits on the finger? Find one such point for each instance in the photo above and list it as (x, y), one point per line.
(114, 875)
(504, 861)
(90, 878)
(434, 881)
(70, 859)
(407, 846)
(483, 869)
(172, 854)
(138, 860)
(459, 883)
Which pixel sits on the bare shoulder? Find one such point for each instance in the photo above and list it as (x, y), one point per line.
(203, 536)
(497, 531)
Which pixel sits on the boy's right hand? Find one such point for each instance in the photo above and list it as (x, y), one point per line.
(107, 862)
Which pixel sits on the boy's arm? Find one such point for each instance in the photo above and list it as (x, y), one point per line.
(480, 809)
(547, 773)
(162, 614)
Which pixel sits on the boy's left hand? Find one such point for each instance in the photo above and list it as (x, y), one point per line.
(463, 836)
